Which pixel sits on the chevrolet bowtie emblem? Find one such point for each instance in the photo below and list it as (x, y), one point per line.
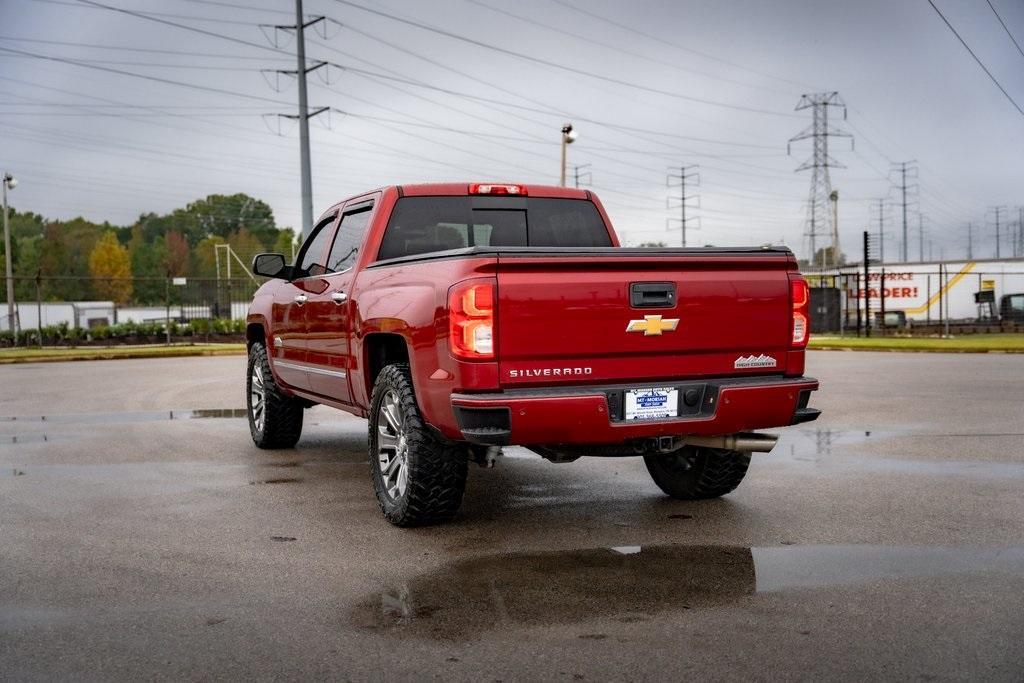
(653, 325)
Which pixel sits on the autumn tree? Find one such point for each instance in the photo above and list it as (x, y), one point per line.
(176, 256)
(111, 269)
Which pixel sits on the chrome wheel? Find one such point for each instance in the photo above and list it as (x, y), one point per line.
(392, 447)
(257, 398)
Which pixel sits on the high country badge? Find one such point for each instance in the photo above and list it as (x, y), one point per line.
(761, 361)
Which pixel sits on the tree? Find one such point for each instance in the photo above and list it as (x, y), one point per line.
(176, 256)
(825, 256)
(285, 244)
(245, 245)
(111, 269)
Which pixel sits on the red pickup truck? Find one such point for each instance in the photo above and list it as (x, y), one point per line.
(460, 318)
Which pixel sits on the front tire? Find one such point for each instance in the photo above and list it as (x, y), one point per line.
(694, 473)
(275, 418)
(419, 478)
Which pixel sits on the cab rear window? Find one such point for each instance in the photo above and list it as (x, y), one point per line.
(420, 225)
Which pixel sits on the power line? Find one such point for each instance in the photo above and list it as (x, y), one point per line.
(147, 77)
(554, 65)
(968, 48)
(1005, 28)
(677, 45)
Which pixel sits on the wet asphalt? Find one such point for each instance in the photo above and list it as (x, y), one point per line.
(143, 536)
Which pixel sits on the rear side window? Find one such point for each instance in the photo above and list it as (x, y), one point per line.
(348, 239)
(421, 225)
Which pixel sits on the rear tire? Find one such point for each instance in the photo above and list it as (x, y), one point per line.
(419, 478)
(698, 473)
(275, 418)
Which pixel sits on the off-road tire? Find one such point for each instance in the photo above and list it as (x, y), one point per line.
(282, 414)
(697, 473)
(436, 468)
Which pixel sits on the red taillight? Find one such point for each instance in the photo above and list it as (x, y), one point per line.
(493, 188)
(471, 319)
(801, 307)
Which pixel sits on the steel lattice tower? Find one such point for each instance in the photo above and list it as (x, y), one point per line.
(820, 220)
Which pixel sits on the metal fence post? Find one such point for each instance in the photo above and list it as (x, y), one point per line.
(167, 303)
(39, 305)
(881, 299)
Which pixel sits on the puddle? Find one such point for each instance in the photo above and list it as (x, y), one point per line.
(829, 448)
(132, 416)
(19, 439)
(465, 599)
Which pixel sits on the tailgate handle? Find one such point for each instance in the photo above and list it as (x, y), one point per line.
(652, 294)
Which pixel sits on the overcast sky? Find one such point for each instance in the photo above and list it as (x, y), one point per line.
(422, 106)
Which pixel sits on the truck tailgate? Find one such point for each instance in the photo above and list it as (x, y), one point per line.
(578, 318)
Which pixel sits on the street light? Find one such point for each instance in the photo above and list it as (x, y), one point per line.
(10, 182)
(568, 137)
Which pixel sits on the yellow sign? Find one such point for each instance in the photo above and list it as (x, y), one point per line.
(988, 284)
(653, 325)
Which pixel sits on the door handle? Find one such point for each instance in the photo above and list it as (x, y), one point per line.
(339, 297)
(301, 299)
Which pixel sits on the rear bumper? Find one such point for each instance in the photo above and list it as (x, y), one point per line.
(591, 415)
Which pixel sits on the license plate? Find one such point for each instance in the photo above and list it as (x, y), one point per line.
(652, 404)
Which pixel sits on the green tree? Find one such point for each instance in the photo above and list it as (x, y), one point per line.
(110, 266)
(286, 244)
(245, 245)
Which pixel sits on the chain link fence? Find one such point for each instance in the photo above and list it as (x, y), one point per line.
(925, 299)
(125, 310)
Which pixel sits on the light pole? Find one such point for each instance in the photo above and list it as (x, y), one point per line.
(10, 182)
(568, 137)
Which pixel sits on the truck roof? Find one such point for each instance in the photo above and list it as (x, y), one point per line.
(458, 189)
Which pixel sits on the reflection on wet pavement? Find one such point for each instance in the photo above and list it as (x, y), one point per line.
(832, 447)
(634, 583)
(132, 416)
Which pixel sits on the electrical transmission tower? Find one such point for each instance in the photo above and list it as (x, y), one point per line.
(304, 115)
(905, 170)
(584, 177)
(998, 211)
(920, 236)
(678, 177)
(880, 207)
(819, 218)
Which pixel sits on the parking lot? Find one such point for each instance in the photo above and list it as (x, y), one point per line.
(143, 536)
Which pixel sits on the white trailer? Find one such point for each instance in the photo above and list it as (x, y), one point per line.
(918, 289)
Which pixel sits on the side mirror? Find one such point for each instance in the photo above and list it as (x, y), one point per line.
(270, 265)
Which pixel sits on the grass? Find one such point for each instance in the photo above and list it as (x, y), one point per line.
(968, 343)
(50, 354)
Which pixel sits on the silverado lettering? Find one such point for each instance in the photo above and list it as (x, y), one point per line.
(428, 308)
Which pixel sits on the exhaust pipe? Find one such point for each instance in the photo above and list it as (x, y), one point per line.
(761, 443)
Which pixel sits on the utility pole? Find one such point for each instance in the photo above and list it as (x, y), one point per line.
(10, 182)
(970, 240)
(819, 218)
(304, 115)
(685, 173)
(577, 176)
(903, 168)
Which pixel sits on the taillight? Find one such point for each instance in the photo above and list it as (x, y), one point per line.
(801, 307)
(471, 319)
(496, 188)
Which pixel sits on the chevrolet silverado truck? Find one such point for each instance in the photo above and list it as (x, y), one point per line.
(462, 318)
